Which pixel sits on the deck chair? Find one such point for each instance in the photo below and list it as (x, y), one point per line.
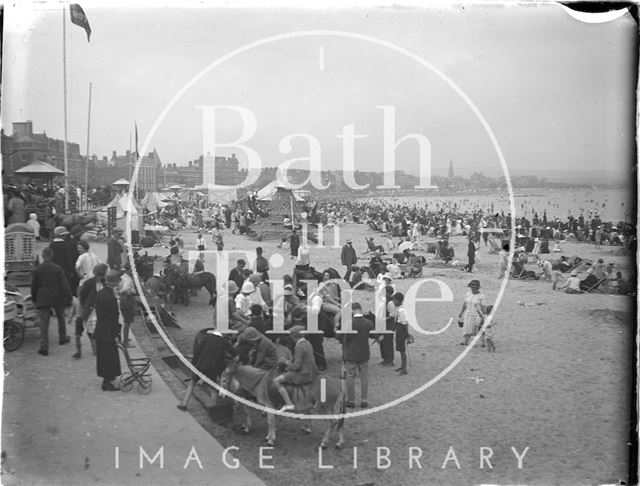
(518, 271)
(494, 246)
(596, 287)
(372, 247)
(575, 262)
(373, 225)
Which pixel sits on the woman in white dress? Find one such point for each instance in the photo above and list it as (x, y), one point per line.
(473, 310)
(415, 234)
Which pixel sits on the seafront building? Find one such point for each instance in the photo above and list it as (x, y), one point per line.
(24, 147)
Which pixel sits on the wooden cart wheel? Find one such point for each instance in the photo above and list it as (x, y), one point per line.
(13, 335)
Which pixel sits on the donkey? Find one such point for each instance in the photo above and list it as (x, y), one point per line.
(158, 286)
(306, 398)
(183, 282)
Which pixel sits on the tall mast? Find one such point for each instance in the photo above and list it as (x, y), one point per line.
(64, 85)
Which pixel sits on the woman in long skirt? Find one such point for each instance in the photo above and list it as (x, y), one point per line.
(107, 332)
(473, 310)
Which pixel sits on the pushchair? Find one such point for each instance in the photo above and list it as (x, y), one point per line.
(138, 368)
(19, 315)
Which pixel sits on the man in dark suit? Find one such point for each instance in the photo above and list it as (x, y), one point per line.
(471, 253)
(356, 355)
(210, 349)
(348, 258)
(50, 290)
(72, 245)
(114, 250)
(262, 264)
(302, 370)
(61, 255)
(236, 273)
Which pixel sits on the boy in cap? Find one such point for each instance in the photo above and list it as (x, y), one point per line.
(61, 254)
(262, 351)
(401, 324)
(300, 371)
(356, 355)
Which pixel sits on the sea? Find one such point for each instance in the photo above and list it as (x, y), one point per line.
(613, 205)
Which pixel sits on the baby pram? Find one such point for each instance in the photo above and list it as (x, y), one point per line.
(19, 315)
(138, 368)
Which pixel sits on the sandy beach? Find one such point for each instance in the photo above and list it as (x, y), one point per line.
(557, 389)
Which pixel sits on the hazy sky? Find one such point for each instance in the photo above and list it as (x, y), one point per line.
(556, 92)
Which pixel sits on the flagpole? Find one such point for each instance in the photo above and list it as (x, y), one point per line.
(129, 159)
(135, 124)
(86, 167)
(64, 85)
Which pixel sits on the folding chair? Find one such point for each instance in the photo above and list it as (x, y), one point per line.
(597, 287)
(517, 270)
(372, 248)
(494, 246)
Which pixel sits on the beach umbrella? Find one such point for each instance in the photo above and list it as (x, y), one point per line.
(121, 182)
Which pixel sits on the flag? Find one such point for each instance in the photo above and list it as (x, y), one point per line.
(79, 18)
(137, 155)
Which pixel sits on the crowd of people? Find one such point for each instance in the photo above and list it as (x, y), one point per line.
(100, 292)
(71, 280)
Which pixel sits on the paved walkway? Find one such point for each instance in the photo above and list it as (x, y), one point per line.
(59, 427)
